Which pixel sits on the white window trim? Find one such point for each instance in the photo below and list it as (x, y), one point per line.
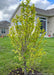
(43, 20)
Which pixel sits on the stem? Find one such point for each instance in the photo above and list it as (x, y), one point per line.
(25, 72)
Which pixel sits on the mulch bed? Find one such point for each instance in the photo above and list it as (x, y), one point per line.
(19, 72)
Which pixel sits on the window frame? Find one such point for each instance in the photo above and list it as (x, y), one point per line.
(3, 31)
(43, 20)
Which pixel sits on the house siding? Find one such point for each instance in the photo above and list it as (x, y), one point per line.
(47, 26)
(17, 13)
(51, 26)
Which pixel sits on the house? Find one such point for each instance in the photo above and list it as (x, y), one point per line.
(4, 28)
(46, 17)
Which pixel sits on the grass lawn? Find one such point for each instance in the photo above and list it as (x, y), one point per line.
(8, 63)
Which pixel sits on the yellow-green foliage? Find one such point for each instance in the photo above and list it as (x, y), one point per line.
(26, 39)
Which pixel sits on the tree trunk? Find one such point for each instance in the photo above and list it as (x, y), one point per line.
(25, 72)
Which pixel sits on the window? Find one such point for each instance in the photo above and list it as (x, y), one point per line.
(43, 21)
(3, 30)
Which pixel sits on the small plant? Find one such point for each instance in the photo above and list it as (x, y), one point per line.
(26, 39)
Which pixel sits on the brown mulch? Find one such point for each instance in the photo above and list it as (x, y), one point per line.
(19, 72)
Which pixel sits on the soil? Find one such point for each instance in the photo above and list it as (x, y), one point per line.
(19, 72)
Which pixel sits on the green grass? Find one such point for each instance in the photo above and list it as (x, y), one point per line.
(48, 60)
(8, 63)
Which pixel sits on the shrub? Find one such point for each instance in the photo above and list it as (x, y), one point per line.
(26, 39)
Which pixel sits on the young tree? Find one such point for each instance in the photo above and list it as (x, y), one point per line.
(26, 39)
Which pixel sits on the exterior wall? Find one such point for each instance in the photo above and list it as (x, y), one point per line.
(47, 26)
(6, 32)
(51, 26)
(17, 13)
(47, 29)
